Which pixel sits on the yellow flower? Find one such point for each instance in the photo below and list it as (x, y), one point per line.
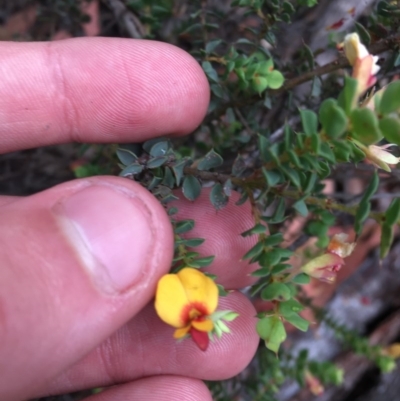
(353, 48)
(365, 65)
(185, 301)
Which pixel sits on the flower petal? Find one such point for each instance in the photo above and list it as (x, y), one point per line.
(171, 300)
(203, 325)
(353, 48)
(199, 288)
(200, 338)
(326, 261)
(339, 246)
(180, 333)
(364, 72)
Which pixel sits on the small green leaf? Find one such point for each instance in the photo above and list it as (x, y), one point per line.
(298, 322)
(172, 211)
(210, 46)
(301, 278)
(301, 207)
(348, 97)
(272, 177)
(132, 169)
(273, 240)
(156, 162)
(310, 183)
(239, 166)
(294, 158)
(315, 143)
(390, 128)
(126, 157)
(279, 213)
(272, 331)
(309, 121)
(326, 152)
(372, 187)
(178, 169)
(259, 83)
(277, 291)
(191, 187)
(356, 153)
(170, 197)
(168, 179)
(270, 258)
(279, 268)
(275, 79)
(361, 215)
(309, 57)
(227, 187)
(292, 175)
(363, 34)
(159, 149)
(392, 214)
(155, 181)
(211, 160)
(210, 71)
(390, 101)
(333, 119)
(190, 242)
(290, 307)
(200, 262)
(386, 239)
(217, 197)
(243, 198)
(263, 146)
(183, 226)
(254, 251)
(257, 229)
(365, 126)
(265, 67)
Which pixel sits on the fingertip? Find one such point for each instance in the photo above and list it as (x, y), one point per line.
(166, 388)
(98, 90)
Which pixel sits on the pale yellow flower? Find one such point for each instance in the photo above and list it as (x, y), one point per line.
(364, 65)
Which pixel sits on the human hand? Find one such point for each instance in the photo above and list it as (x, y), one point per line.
(80, 261)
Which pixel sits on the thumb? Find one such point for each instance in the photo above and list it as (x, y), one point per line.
(78, 261)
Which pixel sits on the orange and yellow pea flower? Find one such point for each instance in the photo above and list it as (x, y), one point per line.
(186, 300)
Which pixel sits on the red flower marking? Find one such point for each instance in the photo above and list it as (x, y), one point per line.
(193, 311)
(336, 25)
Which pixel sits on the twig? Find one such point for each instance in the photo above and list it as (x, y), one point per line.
(126, 18)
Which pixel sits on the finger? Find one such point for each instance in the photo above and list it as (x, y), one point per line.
(221, 230)
(78, 261)
(166, 388)
(146, 347)
(97, 90)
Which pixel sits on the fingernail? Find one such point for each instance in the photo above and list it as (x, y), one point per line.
(111, 232)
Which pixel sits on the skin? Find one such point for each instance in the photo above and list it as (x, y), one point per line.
(66, 322)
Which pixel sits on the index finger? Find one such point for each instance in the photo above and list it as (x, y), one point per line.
(97, 90)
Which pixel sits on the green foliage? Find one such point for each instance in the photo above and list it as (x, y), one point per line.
(365, 126)
(333, 119)
(272, 331)
(276, 150)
